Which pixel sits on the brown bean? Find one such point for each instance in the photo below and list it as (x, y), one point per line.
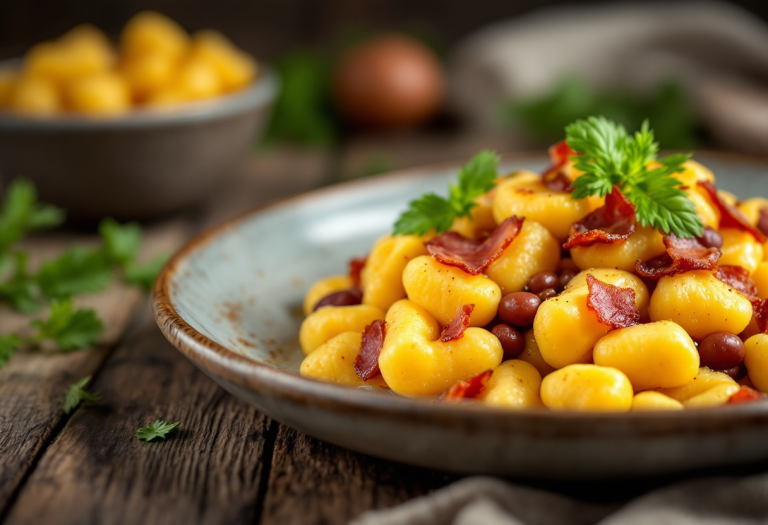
(737, 372)
(565, 278)
(512, 341)
(519, 308)
(541, 281)
(348, 297)
(549, 293)
(710, 238)
(721, 351)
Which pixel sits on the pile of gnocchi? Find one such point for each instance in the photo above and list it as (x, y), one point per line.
(608, 323)
(157, 63)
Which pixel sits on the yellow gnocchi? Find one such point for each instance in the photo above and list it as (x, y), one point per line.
(587, 388)
(700, 303)
(441, 290)
(525, 195)
(415, 362)
(382, 275)
(330, 321)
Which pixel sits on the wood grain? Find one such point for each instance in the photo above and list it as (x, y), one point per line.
(32, 384)
(312, 482)
(97, 471)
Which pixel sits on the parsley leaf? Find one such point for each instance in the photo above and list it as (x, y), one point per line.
(158, 429)
(143, 275)
(121, 241)
(431, 211)
(610, 157)
(20, 213)
(9, 343)
(75, 395)
(21, 290)
(69, 327)
(78, 270)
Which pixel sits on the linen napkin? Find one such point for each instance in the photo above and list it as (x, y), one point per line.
(727, 500)
(716, 51)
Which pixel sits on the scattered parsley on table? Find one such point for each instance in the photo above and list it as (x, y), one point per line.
(75, 395)
(159, 429)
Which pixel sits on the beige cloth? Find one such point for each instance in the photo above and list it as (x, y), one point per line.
(717, 51)
(488, 501)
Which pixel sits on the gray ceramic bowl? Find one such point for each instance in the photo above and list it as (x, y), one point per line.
(229, 302)
(145, 164)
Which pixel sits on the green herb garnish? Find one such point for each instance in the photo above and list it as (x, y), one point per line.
(75, 395)
(79, 270)
(431, 211)
(610, 157)
(158, 429)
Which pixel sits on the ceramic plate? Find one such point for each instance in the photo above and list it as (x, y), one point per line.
(231, 302)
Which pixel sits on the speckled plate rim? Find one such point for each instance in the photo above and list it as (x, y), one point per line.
(250, 375)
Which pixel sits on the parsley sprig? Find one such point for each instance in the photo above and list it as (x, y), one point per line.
(432, 211)
(76, 394)
(78, 270)
(610, 157)
(67, 327)
(157, 430)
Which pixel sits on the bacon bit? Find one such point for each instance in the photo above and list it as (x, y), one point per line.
(730, 217)
(454, 249)
(557, 181)
(614, 222)
(738, 278)
(469, 389)
(762, 222)
(347, 297)
(355, 267)
(761, 315)
(614, 306)
(367, 361)
(554, 176)
(455, 329)
(745, 395)
(683, 255)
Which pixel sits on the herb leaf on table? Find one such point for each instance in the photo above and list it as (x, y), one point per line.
(157, 430)
(20, 213)
(75, 395)
(71, 328)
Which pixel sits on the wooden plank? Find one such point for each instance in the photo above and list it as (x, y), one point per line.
(32, 384)
(97, 471)
(312, 482)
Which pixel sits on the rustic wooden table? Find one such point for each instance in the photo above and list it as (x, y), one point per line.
(228, 463)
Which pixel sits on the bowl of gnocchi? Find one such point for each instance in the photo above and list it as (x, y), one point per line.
(134, 128)
(600, 311)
